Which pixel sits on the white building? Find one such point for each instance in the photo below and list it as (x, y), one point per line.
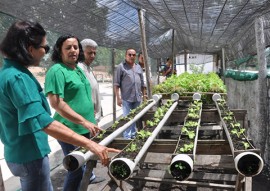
(200, 60)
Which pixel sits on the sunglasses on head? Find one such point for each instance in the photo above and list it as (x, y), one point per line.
(132, 55)
(46, 48)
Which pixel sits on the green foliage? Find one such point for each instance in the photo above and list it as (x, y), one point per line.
(143, 134)
(246, 145)
(119, 169)
(101, 133)
(132, 147)
(179, 166)
(191, 124)
(187, 148)
(190, 133)
(191, 83)
(238, 132)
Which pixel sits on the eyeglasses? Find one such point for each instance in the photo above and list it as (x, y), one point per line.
(46, 48)
(131, 55)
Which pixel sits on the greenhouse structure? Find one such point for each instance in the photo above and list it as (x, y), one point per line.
(235, 32)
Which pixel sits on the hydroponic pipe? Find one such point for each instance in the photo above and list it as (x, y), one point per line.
(132, 164)
(247, 163)
(156, 131)
(185, 160)
(76, 159)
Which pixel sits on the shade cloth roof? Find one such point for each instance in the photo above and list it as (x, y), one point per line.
(200, 26)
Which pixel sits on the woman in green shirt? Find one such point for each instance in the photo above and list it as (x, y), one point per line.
(70, 95)
(24, 112)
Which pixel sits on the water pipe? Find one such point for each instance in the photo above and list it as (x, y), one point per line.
(247, 163)
(131, 164)
(76, 159)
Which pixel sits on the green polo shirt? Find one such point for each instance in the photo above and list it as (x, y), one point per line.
(73, 87)
(24, 112)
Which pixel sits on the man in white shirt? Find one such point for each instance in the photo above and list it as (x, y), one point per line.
(90, 47)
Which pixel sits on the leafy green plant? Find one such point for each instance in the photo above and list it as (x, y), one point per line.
(193, 115)
(191, 124)
(187, 82)
(228, 118)
(101, 133)
(119, 170)
(143, 134)
(237, 132)
(235, 125)
(132, 147)
(187, 148)
(115, 124)
(246, 145)
(191, 134)
(179, 166)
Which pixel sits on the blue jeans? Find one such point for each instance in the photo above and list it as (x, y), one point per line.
(73, 178)
(130, 132)
(34, 175)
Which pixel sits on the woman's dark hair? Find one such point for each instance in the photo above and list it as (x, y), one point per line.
(20, 36)
(56, 55)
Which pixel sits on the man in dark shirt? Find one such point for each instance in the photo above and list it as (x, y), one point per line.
(129, 80)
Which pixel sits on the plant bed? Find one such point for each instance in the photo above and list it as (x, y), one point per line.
(248, 161)
(123, 120)
(182, 162)
(133, 152)
(76, 159)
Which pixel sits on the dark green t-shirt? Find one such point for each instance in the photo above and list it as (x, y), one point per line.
(24, 112)
(73, 87)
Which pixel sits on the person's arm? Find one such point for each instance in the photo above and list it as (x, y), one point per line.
(67, 112)
(117, 95)
(168, 71)
(63, 133)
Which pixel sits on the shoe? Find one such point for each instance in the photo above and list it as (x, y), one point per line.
(96, 180)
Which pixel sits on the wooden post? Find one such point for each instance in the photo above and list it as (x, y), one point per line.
(113, 75)
(173, 64)
(262, 88)
(2, 186)
(158, 64)
(87, 174)
(144, 51)
(223, 62)
(185, 59)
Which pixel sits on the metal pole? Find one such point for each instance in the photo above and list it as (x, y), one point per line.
(144, 51)
(113, 74)
(185, 59)
(173, 64)
(76, 159)
(158, 64)
(223, 62)
(262, 79)
(2, 186)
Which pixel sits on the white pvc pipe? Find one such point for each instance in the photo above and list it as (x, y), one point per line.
(150, 139)
(245, 160)
(186, 161)
(76, 159)
(248, 163)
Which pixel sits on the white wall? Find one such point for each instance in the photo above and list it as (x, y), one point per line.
(198, 59)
